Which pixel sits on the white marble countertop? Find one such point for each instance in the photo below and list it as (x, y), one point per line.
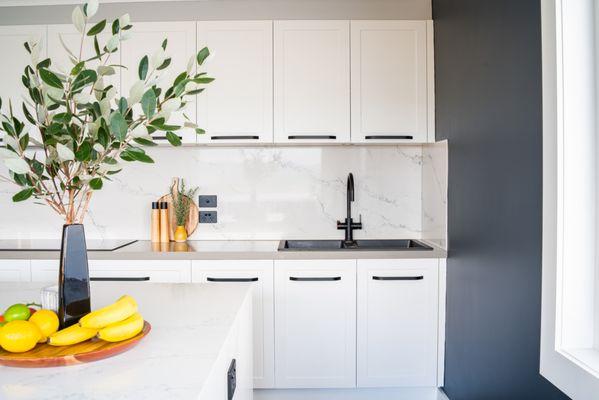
(227, 250)
(190, 323)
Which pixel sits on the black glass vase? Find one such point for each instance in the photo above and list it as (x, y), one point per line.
(73, 278)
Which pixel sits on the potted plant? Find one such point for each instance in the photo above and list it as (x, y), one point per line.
(79, 131)
(182, 201)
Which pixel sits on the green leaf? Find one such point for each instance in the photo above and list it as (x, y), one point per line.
(115, 27)
(193, 92)
(165, 64)
(143, 68)
(97, 46)
(23, 195)
(62, 118)
(43, 64)
(173, 139)
(99, 27)
(144, 142)
(203, 79)
(8, 128)
(26, 113)
(84, 152)
(164, 43)
(136, 154)
(24, 141)
(202, 55)
(50, 78)
(123, 105)
(27, 47)
(148, 103)
(200, 131)
(118, 126)
(85, 78)
(77, 68)
(96, 184)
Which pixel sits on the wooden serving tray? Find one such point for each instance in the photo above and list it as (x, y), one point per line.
(44, 355)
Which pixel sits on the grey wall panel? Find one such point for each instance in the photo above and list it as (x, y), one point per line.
(488, 105)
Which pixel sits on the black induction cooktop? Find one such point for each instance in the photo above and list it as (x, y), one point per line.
(54, 245)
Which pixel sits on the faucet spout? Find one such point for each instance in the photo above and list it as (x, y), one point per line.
(348, 225)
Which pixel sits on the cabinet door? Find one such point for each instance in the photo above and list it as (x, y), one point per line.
(146, 39)
(397, 322)
(312, 81)
(15, 59)
(315, 323)
(389, 81)
(15, 271)
(237, 106)
(259, 273)
(142, 270)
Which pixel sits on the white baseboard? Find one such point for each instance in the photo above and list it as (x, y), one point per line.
(350, 394)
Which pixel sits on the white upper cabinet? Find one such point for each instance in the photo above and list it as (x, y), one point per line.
(237, 106)
(146, 39)
(389, 81)
(15, 59)
(311, 75)
(398, 321)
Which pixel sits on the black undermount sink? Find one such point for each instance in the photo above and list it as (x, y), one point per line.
(356, 245)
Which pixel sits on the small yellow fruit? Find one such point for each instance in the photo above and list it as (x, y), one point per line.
(72, 335)
(120, 310)
(47, 321)
(122, 330)
(19, 336)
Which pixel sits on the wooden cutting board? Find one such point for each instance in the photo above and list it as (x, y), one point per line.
(44, 355)
(192, 220)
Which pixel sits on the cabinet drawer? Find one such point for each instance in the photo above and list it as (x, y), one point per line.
(397, 322)
(315, 323)
(15, 271)
(135, 270)
(259, 274)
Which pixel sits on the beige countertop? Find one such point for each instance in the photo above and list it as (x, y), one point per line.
(226, 250)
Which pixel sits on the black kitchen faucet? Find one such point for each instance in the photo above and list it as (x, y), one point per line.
(349, 225)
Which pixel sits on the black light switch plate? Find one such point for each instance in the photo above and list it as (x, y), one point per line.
(207, 201)
(208, 217)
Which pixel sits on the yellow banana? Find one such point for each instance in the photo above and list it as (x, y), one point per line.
(122, 330)
(120, 310)
(72, 335)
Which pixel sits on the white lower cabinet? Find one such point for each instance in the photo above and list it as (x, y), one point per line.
(397, 322)
(15, 271)
(260, 274)
(126, 270)
(315, 323)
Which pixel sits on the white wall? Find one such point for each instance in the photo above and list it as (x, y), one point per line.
(263, 193)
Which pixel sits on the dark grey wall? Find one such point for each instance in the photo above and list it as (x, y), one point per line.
(488, 105)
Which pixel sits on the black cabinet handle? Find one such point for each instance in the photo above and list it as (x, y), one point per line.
(390, 137)
(164, 137)
(120, 279)
(240, 137)
(255, 279)
(315, 279)
(398, 278)
(292, 137)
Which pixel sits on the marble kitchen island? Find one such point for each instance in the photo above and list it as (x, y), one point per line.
(196, 332)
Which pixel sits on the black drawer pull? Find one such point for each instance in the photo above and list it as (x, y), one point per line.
(391, 137)
(164, 137)
(255, 279)
(292, 137)
(120, 279)
(241, 137)
(315, 279)
(398, 278)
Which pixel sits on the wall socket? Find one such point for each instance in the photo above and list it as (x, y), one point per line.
(207, 201)
(208, 217)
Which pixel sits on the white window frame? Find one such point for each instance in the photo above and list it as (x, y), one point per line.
(570, 305)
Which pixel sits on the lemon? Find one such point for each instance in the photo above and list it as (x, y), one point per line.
(19, 336)
(47, 321)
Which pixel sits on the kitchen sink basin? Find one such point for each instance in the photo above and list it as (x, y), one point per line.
(358, 245)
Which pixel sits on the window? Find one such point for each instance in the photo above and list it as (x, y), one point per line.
(570, 309)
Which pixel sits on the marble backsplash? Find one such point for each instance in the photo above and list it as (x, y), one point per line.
(263, 193)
